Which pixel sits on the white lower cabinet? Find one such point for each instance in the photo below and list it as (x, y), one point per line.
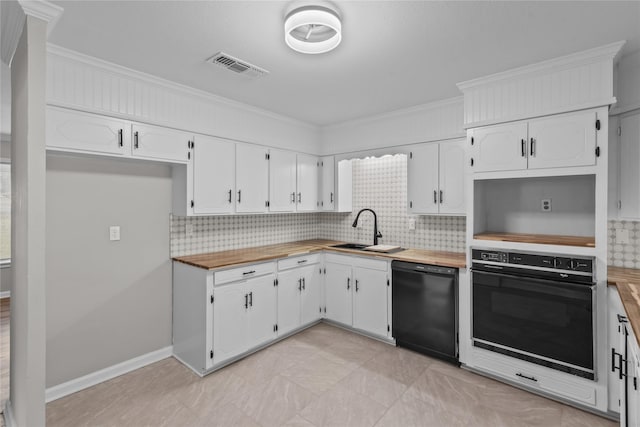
(222, 315)
(337, 287)
(357, 293)
(625, 364)
(298, 292)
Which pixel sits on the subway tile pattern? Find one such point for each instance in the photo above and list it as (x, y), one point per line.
(381, 184)
(627, 255)
(220, 233)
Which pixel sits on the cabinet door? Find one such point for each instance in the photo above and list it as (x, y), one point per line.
(282, 181)
(310, 304)
(562, 141)
(630, 166)
(213, 175)
(499, 148)
(633, 396)
(289, 289)
(263, 312)
(370, 300)
(307, 196)
(422, 179)
(159, 143)
(72, 130)
(452, 171)
(252, 178)
(328, 190)
(338, 293)
(230, 310)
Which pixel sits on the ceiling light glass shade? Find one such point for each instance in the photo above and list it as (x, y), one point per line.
(312, 29)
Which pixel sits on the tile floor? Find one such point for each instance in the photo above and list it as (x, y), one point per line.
(324, 376)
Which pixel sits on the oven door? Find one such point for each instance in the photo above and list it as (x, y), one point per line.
(542, 321)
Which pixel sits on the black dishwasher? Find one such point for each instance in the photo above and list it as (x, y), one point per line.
(425, 309)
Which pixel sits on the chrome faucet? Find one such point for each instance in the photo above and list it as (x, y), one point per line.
(376, 233)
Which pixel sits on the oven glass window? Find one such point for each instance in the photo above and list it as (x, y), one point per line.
(540, 317)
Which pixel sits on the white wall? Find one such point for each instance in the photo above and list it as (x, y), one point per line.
(628, 90)
(428, 122)
(107, 301)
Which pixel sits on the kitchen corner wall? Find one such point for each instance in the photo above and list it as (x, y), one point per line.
(381, 184)
(619, 255)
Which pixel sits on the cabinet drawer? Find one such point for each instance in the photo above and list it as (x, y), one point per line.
(243, 273)
(548, 381)
(298, 261)
(371, 263)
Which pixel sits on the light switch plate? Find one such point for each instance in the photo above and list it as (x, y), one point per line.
(622, 236)
(114, 232)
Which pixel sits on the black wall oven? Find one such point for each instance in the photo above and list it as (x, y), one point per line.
(535, 307)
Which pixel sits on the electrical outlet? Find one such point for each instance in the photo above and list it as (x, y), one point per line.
(412, 223)
(188, 229)
(114, 232)
(622, 236)
(546, 205)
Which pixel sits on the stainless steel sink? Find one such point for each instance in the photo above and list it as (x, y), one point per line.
(356, 246)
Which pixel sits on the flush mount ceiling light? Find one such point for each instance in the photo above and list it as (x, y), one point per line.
(312, 29)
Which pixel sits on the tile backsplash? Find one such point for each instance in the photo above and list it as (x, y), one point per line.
(627, 255)
(220, 233)
(381, 184)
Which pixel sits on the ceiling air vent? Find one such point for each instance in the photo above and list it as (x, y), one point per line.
(236, 65)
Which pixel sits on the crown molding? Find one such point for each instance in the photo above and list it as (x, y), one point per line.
(609, 51)
(149, 78)
(399, 113)
(43, 10)
(13, 14)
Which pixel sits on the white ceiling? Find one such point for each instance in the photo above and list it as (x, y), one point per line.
(394, 54)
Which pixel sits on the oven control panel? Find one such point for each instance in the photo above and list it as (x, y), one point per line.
(534, 260)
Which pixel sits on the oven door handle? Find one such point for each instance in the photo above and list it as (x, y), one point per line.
(550, 284)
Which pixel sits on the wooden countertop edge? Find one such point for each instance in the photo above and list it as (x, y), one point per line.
(440, 258)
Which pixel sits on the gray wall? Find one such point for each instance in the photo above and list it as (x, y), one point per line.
(107, 301)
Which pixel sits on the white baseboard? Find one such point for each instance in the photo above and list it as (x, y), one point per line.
(64, 389)
(5, 294)
(8, 415)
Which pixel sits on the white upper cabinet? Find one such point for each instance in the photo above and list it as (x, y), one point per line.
(422, 179)
(328, 190)
(252, 178)
(499, 148)
(435, 178)
(559, 141)
(213, 175)
(563, 141)
(282, 181)
(160, 143)
(451, 196)
(629, 170)
(71, 130)
(307, 197)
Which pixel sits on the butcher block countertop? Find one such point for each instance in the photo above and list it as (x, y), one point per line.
(215, 260)
(627, 280)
